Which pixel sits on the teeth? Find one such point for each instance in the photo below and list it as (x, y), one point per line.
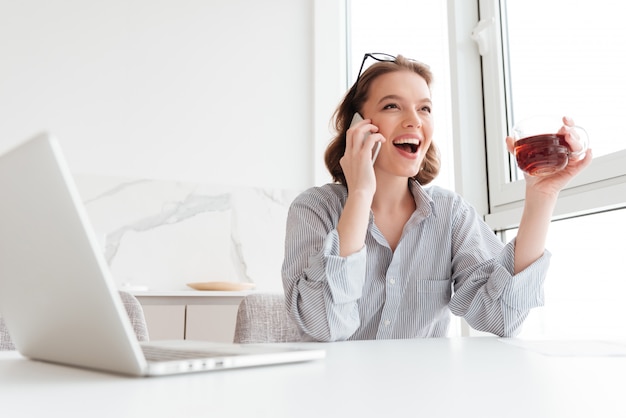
(413, 141)
(408, 144)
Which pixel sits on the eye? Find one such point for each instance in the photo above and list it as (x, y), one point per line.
(426, 109)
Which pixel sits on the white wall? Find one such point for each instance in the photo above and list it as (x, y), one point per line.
(207, 90)
(155, 101)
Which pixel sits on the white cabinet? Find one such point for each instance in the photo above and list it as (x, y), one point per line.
(165, 322)
(211, 322)
(192, 315)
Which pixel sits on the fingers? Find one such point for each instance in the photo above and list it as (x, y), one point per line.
(510, 144)
(355, 135)
(576, 139)
(362, 137)
(361, 128)
(582, 161)
(567, 121)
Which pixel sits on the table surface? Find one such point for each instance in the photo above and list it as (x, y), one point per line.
(455, 377)
(191, 293)
(191, 297)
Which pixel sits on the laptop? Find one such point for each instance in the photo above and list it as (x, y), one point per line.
(57, 295)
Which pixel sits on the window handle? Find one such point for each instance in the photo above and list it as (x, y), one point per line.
(480, 35)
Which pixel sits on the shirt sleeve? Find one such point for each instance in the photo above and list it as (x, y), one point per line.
(486, 292)
(321, 288)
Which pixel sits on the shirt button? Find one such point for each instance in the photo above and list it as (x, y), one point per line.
(392, 281)
(387, 322)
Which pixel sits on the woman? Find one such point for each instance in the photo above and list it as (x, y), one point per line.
(376, 255)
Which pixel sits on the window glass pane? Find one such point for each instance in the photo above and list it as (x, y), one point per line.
(567, 58)
(416, 29)
(585, 286)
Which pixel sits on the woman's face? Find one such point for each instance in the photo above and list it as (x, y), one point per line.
(399, 105)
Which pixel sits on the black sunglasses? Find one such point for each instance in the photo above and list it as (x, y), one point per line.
(381, 57)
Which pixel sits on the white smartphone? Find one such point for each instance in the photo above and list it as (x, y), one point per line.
(358, 118)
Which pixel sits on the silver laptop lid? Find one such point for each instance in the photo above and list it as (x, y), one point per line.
(57, 300)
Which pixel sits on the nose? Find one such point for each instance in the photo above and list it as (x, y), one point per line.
(413, 120)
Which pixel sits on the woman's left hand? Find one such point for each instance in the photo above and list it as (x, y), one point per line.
(554, 183)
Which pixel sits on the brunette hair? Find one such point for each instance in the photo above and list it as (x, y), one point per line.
(353, 102)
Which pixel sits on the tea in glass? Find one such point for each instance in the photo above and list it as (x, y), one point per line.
(541, 155)
(540, 146)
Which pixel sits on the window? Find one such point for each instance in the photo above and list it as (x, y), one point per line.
(569, 57)
(565, 57)
(585, 283)
(554, 57)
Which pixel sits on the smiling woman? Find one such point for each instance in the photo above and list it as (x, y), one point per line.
(377, 255)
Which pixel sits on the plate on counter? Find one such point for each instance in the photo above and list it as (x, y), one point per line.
(228, 286)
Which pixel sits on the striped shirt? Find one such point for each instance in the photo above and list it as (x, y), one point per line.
(447, 261)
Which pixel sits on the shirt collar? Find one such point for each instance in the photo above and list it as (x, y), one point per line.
(424, 204)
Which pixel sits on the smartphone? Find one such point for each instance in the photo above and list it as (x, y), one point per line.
(358, 118)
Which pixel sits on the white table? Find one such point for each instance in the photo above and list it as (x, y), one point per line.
(465, 377)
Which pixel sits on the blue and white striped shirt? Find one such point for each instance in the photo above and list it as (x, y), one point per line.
(447, 260)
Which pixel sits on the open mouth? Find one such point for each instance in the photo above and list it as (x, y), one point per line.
(408, 145)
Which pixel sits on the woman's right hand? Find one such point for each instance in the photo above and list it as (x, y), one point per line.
(357, 160)
(359, 172)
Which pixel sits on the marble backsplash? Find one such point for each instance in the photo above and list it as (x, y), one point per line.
(160, 235)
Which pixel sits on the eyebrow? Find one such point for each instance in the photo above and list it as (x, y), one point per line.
(396, 97)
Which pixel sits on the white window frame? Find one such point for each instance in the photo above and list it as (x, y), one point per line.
(601, 186)
(470, 160)
(329, 75)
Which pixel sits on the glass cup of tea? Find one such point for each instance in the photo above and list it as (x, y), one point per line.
(540, 146)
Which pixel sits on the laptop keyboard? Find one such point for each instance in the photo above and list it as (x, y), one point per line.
(172, 354)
